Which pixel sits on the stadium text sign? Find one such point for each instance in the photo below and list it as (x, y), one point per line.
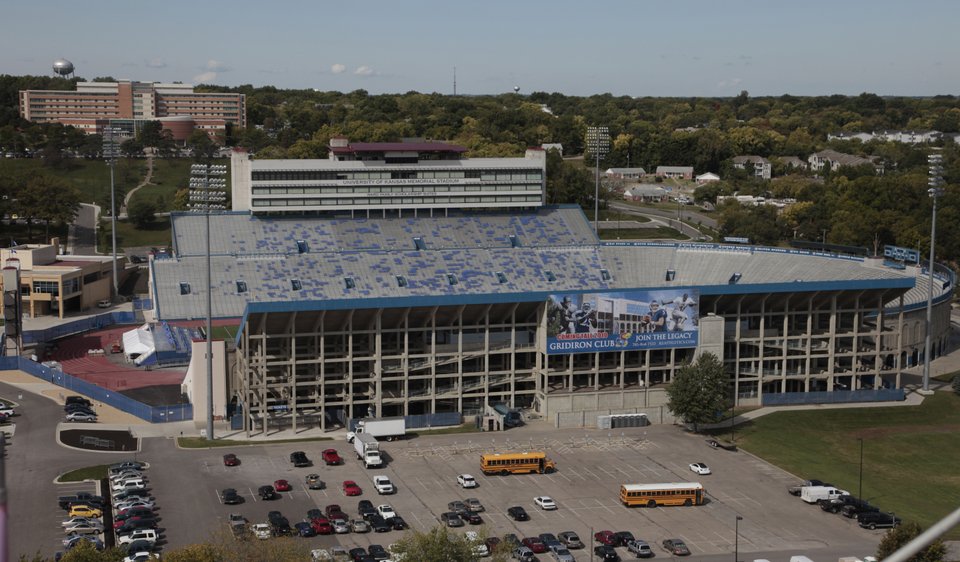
(908, 255)
(622, 321)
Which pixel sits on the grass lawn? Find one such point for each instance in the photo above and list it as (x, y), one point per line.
(910, 453)
(89, 473)
(169, 175)
(128, 236)
(91, 177)
(662, 232)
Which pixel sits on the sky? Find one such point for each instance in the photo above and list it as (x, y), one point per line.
(621, 47)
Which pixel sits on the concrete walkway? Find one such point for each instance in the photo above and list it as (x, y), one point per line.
(146, 181)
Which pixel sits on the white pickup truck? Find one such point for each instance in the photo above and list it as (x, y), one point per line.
(813, 494)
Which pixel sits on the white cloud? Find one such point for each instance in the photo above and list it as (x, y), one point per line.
(156, 62)
(337, 68)
(205, 77)
(217, 66)
(363, 71)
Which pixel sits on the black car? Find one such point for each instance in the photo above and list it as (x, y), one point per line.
(281, 527)
(379, 524)
(511, 540)
(378, 552)
(299, 459)
(358, 554)
(623, 537)
(134, 524)
(127, 494)
(606, 553)
(551, 541)
(76, 400)
(877, 519)
(139, 546)
(472, 517)
(854, 509)
(266, 492)
(230, 496)
(365, 509)
(517, 513)
(398, 523)
(74, 408)
(451, 519)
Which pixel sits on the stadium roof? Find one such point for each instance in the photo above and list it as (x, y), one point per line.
(315, 263)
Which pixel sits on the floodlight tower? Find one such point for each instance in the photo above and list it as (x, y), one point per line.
(598, 143)
(111, 150)
(207, 193)
(936, 190)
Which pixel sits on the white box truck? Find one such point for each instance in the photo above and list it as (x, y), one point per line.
(813, 494)
(368, 450)
(386, 429)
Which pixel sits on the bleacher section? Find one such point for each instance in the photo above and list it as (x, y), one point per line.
(554, 251)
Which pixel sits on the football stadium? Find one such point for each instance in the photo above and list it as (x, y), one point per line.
(402, 279)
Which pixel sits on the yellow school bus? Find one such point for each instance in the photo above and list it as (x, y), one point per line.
(516, 463)
(652, 495)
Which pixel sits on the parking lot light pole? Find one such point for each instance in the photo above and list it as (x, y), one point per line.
(598, 143)
(860, 487)
(110, 150)
(736, 539)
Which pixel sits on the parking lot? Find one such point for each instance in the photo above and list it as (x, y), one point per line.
(591, 467)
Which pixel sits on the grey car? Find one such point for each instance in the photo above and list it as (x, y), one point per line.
(561, 554)
(451, 519)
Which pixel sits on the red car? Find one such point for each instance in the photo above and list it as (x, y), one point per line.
(350, 488)
(605, 537)
(322, 526)
(534, 544)
(330, 456)
(281, 486)
(333, 511)
(230, 460)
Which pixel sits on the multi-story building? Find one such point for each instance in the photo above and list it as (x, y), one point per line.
(834, 160)
(387, 178)
(127, 104)
(761, 166)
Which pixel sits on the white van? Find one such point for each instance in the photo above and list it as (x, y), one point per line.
(813, 494)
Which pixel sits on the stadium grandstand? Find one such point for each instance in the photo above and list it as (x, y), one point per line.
(352, 316)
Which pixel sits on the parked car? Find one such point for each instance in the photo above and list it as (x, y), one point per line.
(231, 459)
(517, 513)
(545, 502)
(305, 529)
(534, 544)
(466, 481)
(261, 531)
(605, 537)
(561, 554)
(75, 399)
(78, 520)
(457, 506)
(379, 524)
(340, 526)
(378, 552)
(230, 497)
(266, 492)
(570, 540)
(350, 488)
(473, 504)
(795, 490)
(623, 537)
(524, 554)
(282, 485)
(84, 527)
(386, 511)
(322, 526)
(606, 553)
(331, 457)
(640, 548)
(676, 547)
(359, 526)
(451, 519)
(383, 484)
(84, 511)
(313, 482)
(472, 517)
(398, 523)
(877, 520)
(700, 468)
(299, 459)
(333, 511)
(365, 509)
(81, 417)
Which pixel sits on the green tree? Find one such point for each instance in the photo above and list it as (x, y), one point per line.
(899, 536)
(47, 199)
(698, 392)
(956, 384)
(438, 545)
(142, 213)
(203, 147)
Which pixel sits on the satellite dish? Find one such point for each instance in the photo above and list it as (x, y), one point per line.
(516, 89)
(62, 67)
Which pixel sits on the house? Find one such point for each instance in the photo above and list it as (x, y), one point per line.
(548, 146)
(792, 161)
(675, 172)
(863, 137)
(625, 173)
(836, 159)
(761, 166)
(645, 193)
(707, 178)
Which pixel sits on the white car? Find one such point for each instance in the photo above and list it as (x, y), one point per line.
(261, 531)
(466, 481)
(75, 520)
(340, 526)
(141, 556)
(700, 468)
(479, 547)
(545, 502)
(81, 417)
(383, 484)
(7, 411)
(84, 527)
(133, 503)
(386, 511)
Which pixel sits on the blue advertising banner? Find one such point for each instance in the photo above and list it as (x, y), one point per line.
(901, 254)
(622, 321)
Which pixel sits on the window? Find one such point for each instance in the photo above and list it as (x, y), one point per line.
(605, 274)
(296, 285)
(401, 281)
(514, 241)
(501, 277)
(550, 276)
(419, 244)
(241, 286)
(452, 279)
(349, 283)
(301, 246)
(184, 288)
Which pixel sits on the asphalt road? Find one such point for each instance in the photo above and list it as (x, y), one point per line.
(686, 214)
